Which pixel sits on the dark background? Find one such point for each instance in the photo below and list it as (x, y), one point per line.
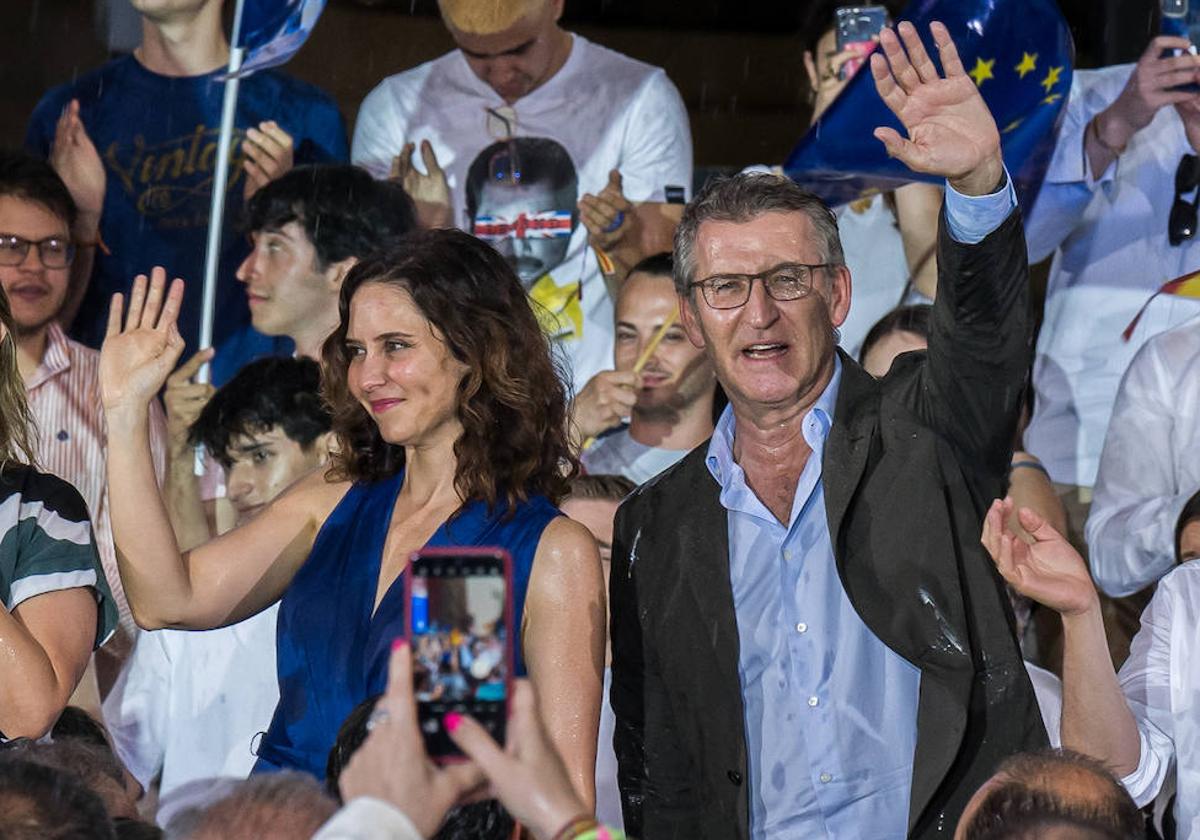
(737, 63)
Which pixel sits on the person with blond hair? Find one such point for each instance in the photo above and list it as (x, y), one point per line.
(518, 128)
(57, 606)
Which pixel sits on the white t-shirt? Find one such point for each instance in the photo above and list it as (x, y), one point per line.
(191, 703)
(601, 111)
(619, 454)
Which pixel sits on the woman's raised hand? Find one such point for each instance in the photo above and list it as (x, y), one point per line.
(1050, 571)
(139, 355)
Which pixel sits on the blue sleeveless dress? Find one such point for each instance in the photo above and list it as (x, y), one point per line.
(332, 653)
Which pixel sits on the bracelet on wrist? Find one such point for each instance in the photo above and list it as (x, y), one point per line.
(1115, 151)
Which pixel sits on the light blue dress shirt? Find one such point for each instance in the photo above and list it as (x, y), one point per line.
(830, 710)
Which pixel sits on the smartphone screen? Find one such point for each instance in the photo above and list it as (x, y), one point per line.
(1182, 17)
(857, 28)
(461, 633)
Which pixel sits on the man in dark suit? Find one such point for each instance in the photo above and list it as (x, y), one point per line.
(807, 638)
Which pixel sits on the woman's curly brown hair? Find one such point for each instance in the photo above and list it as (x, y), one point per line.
(512, 403)
(16, 420)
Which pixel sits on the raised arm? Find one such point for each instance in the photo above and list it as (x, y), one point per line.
(1095, 718)
(563, 641)
(979, 344)
(223, 581)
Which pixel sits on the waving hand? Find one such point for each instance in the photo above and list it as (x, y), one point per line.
(951, 132)
(137, 357)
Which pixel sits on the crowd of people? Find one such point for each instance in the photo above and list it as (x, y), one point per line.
(809, 535)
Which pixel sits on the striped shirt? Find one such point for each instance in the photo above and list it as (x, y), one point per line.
(46, 543)
(64, 396)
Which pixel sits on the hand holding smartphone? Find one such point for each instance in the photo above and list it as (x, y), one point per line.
(459, 609)
(1182, 18)
(858, 29)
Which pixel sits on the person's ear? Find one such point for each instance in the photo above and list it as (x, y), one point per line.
(557, 9)
(839, 294)
(810, 65)
(336, 272)
(324, 446)
(689, 319)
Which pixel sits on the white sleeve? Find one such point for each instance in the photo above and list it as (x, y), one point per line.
(656, 150)
(137, 708)
(1131, 528)
(378, 131)
(1069, 186)
(1146, 683)
(366, 818)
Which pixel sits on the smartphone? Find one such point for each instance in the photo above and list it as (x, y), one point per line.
(461, 628)
(857, 29)
(1182, 17)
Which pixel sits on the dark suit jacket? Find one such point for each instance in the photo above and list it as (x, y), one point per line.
(910, 464)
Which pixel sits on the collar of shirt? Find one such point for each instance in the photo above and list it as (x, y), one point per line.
(55, 360)
(735, 493)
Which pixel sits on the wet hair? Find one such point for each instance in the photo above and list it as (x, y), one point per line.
(523, 160)
(32, 179)
(269, 806)
(916, 319)
(39, 802)
(269, 392)
(16, 420)
(136, 830)
(745, 196)
(350, 737)
(1189, 514)
(512, 403)
(343, 210)
(608, 488)
(1024, 797)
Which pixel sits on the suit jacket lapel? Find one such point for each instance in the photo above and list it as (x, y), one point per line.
(849, 443)
(705, 556)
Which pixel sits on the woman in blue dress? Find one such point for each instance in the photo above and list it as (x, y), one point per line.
(451, 423)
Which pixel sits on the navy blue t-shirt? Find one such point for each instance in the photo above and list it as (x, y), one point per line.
(157, 136)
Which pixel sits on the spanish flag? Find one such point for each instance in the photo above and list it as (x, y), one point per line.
(1186, 286)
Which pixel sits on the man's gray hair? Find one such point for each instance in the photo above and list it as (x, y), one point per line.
(286, 805)
(740, 198)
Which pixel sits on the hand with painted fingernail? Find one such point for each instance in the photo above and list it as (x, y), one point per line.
(392, 765)
(527, 775)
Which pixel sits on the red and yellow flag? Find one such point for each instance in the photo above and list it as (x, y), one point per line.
(1186, 286)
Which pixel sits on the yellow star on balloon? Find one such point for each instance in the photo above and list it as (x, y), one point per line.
(982, 71)
(1012, 126)
(1052, 98)
(1051, 78)
(1028, 64)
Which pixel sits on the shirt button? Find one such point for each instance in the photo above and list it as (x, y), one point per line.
(801, 627)
(787, 554)
(826, 778)
(813, 701)
(735, 777)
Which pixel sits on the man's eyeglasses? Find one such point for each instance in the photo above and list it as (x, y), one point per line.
(1182, 223)
(786, 281)
(53, 251)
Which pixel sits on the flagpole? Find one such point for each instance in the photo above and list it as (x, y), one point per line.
(216, 215)
(212, 255)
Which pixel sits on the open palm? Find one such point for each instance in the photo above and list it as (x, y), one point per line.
(951, 132)
(1050, 571)
(137, 357)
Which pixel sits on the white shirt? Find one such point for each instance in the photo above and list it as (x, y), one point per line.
(1161, 683)
(1109, 240)
(191, 705)
(619, 454)
(878, 267)
(604, 110)
(1149, 467)
(367, 818)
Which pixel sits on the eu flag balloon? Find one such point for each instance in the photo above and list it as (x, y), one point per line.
(274, 30)
(1018, 52)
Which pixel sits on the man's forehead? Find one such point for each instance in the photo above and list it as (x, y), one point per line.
(292, 230)
(21, 216)
(247, 441)
(757, 243)
(642, 290)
